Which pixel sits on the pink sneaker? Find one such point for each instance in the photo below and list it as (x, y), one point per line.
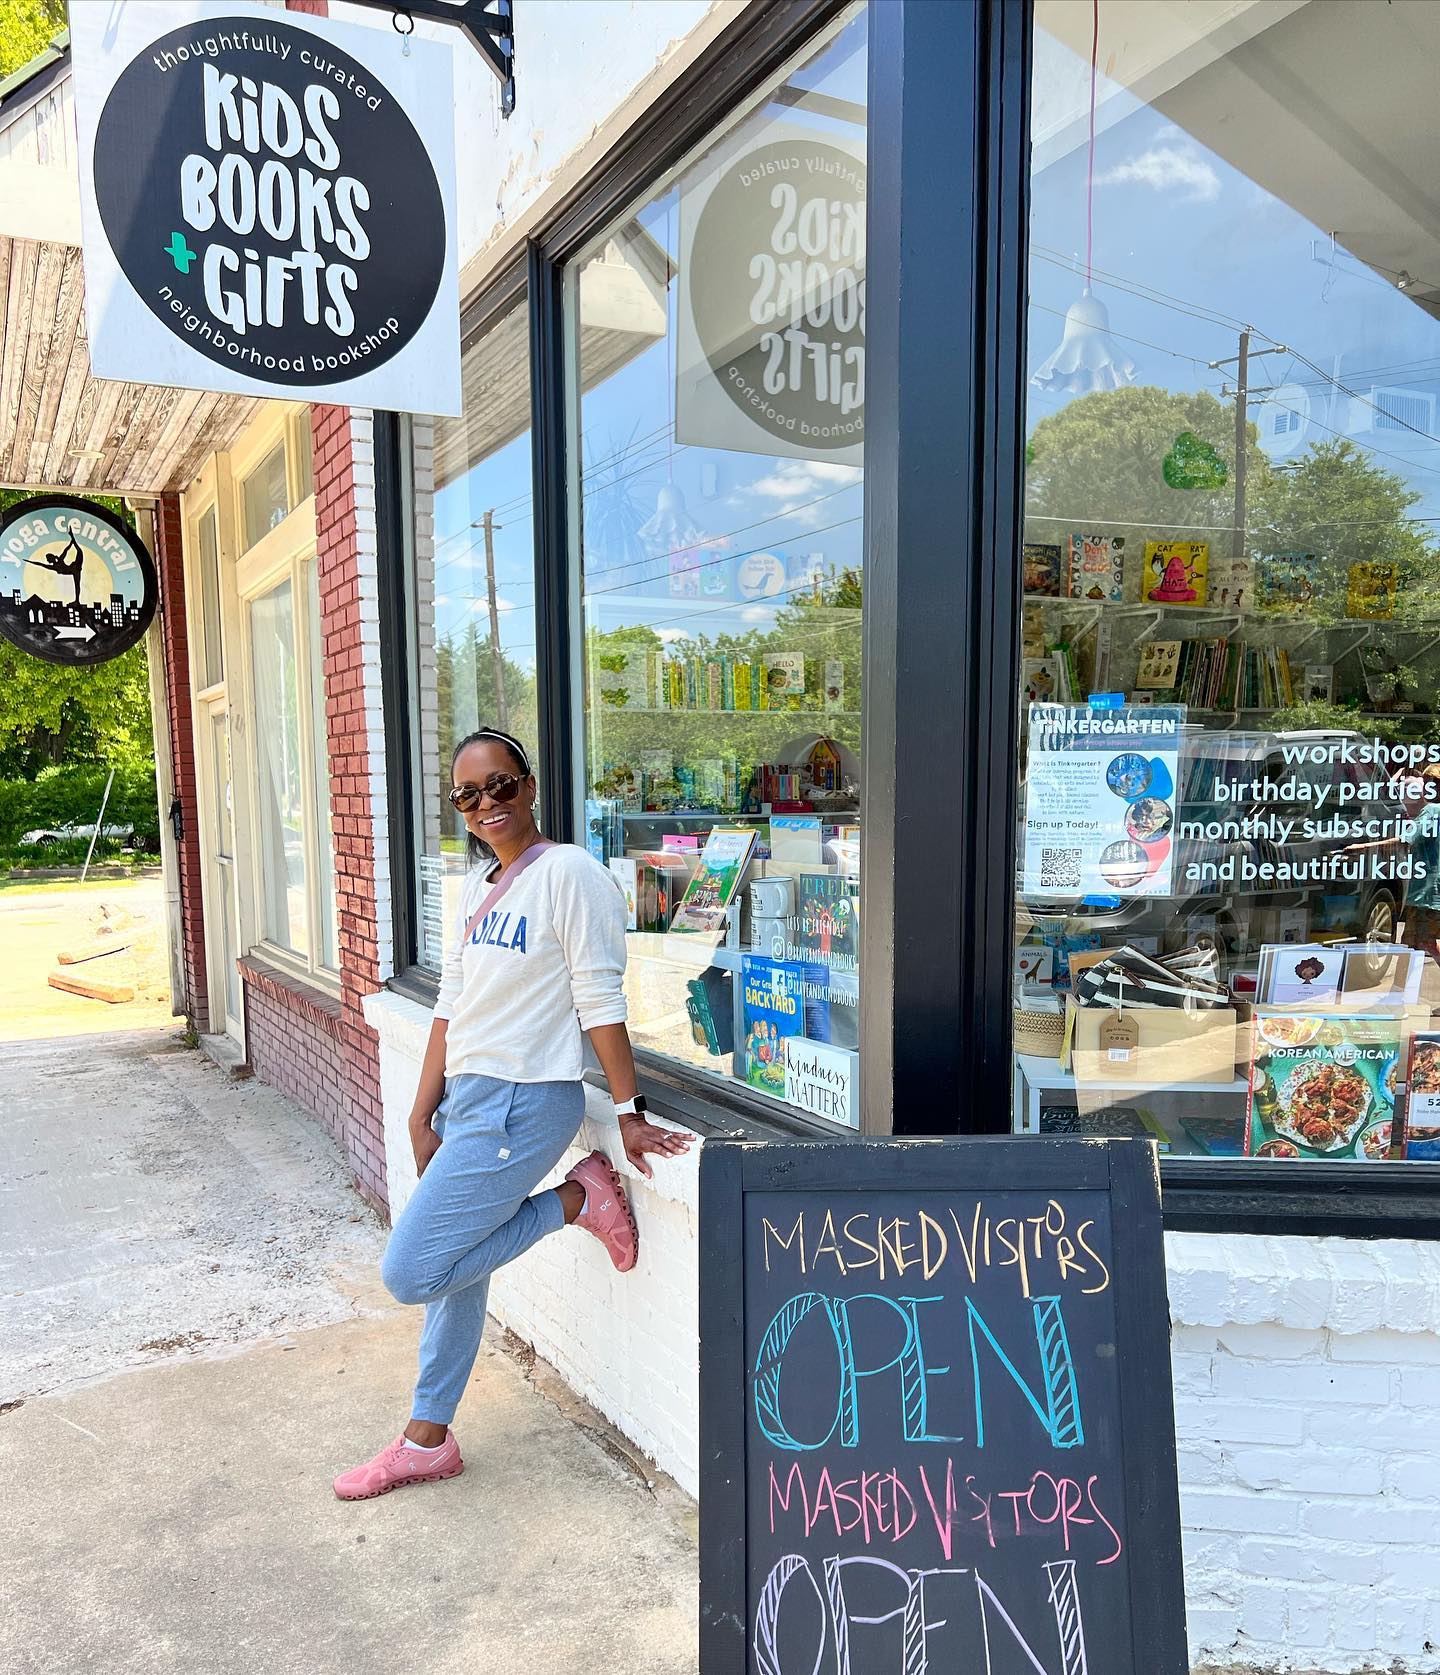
(397, 1465)
(607, 1210)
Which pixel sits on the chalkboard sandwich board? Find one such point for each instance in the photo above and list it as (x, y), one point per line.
(935, 1410)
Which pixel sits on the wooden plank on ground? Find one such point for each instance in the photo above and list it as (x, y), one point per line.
(78, 956)
(115, 993)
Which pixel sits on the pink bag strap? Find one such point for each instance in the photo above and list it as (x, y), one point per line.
(498, 889)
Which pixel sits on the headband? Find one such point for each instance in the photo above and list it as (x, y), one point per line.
(505, 739)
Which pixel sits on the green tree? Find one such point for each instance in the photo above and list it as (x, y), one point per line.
(51, 714)
(26, 29)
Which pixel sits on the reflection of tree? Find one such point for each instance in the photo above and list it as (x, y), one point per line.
(1344, 507)
(465, 682)
(1098, 465)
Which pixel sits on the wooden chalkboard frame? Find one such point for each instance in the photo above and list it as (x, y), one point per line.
(1127, 1170)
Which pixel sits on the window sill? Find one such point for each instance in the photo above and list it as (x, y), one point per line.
(713, 1109)
(1357, 1200)
(297, 994)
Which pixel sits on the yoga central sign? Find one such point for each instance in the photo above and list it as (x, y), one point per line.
(268, 205)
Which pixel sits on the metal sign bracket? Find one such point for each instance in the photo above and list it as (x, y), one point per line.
(489, 25)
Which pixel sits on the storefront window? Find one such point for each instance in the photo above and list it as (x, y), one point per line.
(327, 951)
(717, 351)
(265, 495)
(1229, 856)
(212, 658)
(472, 598)
(279, 806)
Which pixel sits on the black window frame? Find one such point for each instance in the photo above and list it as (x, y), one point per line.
(949, 100)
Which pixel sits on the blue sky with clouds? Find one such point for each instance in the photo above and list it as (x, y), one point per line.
(1188, 249)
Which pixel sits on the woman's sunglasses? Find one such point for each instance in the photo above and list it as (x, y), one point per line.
(500, 788)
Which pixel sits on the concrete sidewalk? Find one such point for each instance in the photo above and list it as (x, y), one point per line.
(191, 1324)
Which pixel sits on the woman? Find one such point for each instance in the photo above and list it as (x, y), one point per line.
(540, 957)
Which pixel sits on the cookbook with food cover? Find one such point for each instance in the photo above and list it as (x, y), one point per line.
(1323, 1087)
(1421, 1136)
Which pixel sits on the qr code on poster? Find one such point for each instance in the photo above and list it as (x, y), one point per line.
(1059, 869)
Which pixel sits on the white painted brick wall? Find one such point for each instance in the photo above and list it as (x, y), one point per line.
(1307, 1385)
(362, 446)
(1307, 1401)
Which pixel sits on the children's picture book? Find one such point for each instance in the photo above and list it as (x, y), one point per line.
(772, 1013)
(1317, 683)
(1034, 963)
(709, 893)
(712, 1019)
(1096, 569)
(1370, 591)
(1232, 581)
(784, 678)
(1299, 974)
(1286, 582)
(1159, 664)
(1176, 573)
(1042, 680)
(624, 678)
(1323, 1087)
(1044, 565)
(828, 914)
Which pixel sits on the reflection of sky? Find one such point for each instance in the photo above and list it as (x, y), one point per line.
(500, 484)
(743, 503)
(1187, 250)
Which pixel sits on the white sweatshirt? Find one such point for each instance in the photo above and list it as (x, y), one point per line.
(547, 961)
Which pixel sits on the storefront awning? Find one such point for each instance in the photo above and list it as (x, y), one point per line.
(60, 427)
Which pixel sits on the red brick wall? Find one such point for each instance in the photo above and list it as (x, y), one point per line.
(337, 560)
(319, 1051)
(175, 640)
(292, 1034)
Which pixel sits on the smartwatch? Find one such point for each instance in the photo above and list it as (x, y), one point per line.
(635, 1107)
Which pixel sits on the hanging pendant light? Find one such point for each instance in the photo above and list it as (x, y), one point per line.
(1087, 358)
(671, 529)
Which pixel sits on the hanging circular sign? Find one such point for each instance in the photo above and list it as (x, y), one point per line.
(76, 584)
(784, 230)
(271, 204)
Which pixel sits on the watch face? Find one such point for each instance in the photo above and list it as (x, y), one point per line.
(640, 1106)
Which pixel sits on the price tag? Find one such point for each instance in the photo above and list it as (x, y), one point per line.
(1120, 1041)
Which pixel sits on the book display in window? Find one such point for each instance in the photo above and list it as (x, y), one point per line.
(1096, 568)
(1177, 572)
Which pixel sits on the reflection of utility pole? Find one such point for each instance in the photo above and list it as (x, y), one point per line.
(1241, 393)
(497, 663)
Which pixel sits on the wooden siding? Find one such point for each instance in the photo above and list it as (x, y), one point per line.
(62, 428)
